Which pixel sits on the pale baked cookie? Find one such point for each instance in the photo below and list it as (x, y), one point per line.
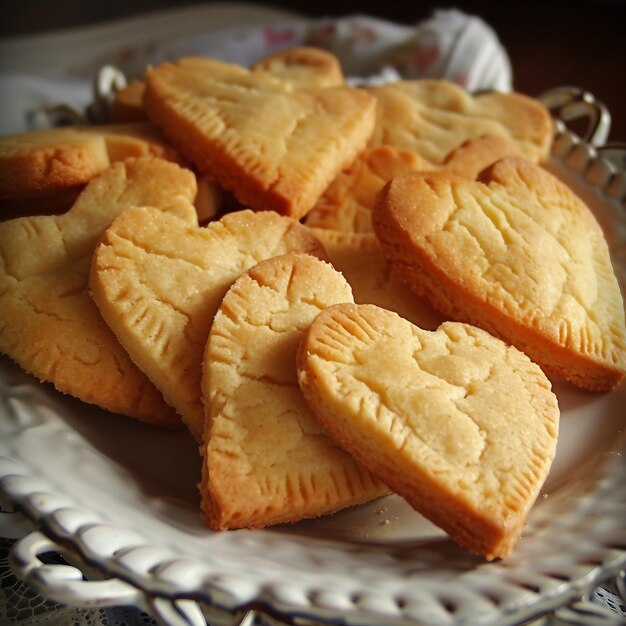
(54, 160)
(48, 323)
(274, 146)
(359, 257)
(159, 281)
(458, 423)
(266, 459)
(516, 253)
(347, 203)
(303, 66)
(432, 117)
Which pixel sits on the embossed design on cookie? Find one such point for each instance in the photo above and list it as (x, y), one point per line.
(516, 253)
(460, 424)
(274, 146)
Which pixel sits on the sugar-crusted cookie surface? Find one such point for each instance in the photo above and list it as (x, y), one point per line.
(516, 253)
(433, 117)
(274, 146)
(267, 460)
(460, 424)
(303, 66)
(158, 282)
(43, 161)
(48, 322)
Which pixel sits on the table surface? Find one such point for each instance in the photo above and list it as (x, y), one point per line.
(550, 43)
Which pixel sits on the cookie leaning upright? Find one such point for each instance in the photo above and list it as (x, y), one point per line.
(454, 420)
(266, 459)
(516, 253)
(274, 146)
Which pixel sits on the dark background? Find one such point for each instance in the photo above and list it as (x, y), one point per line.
(550, 43)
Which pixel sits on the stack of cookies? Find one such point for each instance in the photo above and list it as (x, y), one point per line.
(340, 292)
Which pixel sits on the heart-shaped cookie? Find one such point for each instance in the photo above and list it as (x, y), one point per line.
(460, 424)
(267, 460)
(48, 322)
(158, 282)
(516, 253)
(433, 117)
(274, 146)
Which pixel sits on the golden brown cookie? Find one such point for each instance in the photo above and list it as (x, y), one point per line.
(48, 323)
(433, 117)
(274, 146)
(54, 160)
(458, 423)
(43, 161)
(266, 459)
(516, 253)
(303, 66)
(359, 257)
(158, 282)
